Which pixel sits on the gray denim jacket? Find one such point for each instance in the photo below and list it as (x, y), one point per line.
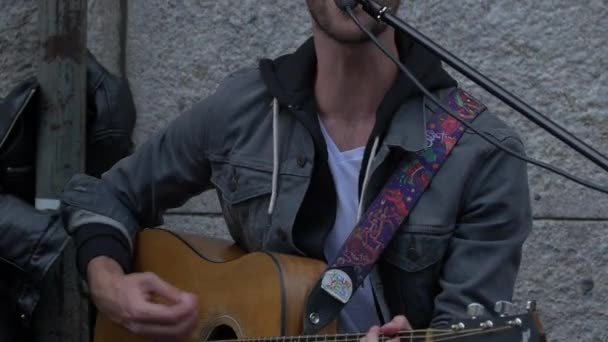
(461, 243)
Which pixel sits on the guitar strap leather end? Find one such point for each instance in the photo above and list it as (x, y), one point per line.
(327, 299)
(321, 309)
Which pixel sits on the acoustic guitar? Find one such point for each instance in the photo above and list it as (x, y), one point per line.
(260, 296)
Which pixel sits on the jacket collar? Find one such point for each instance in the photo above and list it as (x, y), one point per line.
(14, 105)
(408, 127)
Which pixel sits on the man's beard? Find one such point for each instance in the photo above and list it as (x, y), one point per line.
(322, 17)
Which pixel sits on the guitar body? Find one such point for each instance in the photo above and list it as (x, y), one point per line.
(258, 297)
(240, 295)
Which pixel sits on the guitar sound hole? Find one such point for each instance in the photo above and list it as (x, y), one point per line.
(222, 332)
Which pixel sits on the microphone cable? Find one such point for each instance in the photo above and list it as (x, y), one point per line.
(484, 136)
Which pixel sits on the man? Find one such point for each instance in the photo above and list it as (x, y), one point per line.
(296, 148)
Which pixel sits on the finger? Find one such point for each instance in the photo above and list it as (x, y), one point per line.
(153, 283)
(167, 332)
(189, 328)
(372, 335)
(399, 323)
(143, 310)
(148, 312)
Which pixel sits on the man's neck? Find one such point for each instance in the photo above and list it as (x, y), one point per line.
(352, 80)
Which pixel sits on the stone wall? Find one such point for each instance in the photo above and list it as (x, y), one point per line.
(553, 54)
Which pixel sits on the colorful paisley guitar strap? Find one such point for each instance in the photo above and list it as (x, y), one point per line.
(386, 213)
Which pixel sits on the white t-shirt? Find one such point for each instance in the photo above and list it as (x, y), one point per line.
(359, 314)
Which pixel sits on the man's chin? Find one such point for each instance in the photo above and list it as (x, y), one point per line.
(350, 37)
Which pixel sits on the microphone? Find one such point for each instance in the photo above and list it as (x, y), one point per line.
(344, 4)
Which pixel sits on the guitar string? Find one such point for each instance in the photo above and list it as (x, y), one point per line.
(342, 337)
(444, 335)
(315, 338)
(473, 334)
(320, 338)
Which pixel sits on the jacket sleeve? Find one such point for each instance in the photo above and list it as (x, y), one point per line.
(31, 240)
(105, 214)
(484, 254)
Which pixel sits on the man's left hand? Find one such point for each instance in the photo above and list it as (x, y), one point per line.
(392, 328)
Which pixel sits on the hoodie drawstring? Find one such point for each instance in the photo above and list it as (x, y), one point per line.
(275, 155)
(276, 165)
(368, 169)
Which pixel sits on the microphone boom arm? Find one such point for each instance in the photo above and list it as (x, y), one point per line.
(382, 13)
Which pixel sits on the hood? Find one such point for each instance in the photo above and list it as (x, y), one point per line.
(290, 78)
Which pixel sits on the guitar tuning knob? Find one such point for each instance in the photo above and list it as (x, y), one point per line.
(503, 308)
(475, 310)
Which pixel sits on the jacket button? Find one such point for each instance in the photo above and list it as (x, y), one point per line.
(302, 160)
(413, 254)
(232, 184)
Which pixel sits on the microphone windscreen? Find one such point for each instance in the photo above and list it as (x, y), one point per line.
(344, 4)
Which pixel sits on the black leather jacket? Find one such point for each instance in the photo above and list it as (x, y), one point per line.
(30, 239)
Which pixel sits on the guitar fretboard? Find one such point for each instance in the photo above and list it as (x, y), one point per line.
(405, 336)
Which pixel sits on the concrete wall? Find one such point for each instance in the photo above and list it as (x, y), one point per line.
(554, 54)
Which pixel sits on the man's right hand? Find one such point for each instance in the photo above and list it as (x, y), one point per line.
(127, 300)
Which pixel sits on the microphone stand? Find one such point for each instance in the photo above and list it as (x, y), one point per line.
(382, 13)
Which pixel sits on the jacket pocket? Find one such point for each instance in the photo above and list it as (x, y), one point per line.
(244, 194)
(415, 249)
(410, 270)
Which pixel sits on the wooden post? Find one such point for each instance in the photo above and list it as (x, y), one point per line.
(62, 314)
(62, 77)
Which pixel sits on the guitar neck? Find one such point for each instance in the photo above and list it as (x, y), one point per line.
(411, 336)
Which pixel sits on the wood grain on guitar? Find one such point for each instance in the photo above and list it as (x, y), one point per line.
(260, 296)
